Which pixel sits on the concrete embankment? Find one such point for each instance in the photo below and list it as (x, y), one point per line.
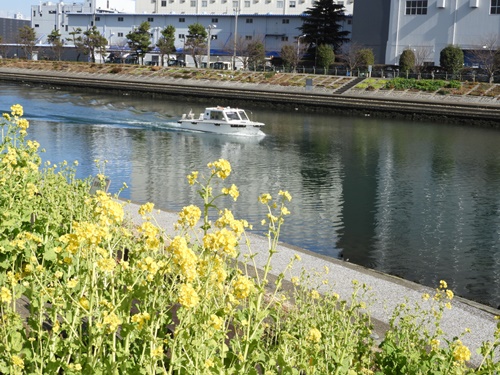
(417, 107)
(385, 293)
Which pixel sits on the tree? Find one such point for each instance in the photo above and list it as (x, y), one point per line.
(196, 43)
(289, 55)
(407, 60)
(326, 56)
(27, 38)
(422, 54)
(354, 56)
(54, 39)
(486, 55)
(451, 59)
(90, 42)
(322, 24)
(166, 43)
(139, 40)
(256, 53)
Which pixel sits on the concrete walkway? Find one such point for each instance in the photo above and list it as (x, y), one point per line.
(386, 291)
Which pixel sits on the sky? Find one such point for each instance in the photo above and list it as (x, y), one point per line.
(8, 8)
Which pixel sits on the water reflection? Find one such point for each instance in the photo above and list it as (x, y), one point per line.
(421, 201)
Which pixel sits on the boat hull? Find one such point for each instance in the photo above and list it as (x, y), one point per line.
(247, 129)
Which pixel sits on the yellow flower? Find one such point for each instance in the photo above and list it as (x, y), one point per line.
(112, 321)
(243, 287)
(426, 296)
(265, 198)
(157, 352)
(449, 294)
(17, 361)
(222, 240)
(209, 363)
(192, 178)
(140, 319)
(461, 353)
(443, 284)
(106, 264)
(189, 216)
(146, 208)
(84, 302)
(188, 296)
(315, 294)
(216, 322)
(295, 280)
(435, 344)
(314, 335)
(16, 110)
(297, 257)
(233, 192)
(72, 283)
(285, 194)
(221, 168)
(5, 295)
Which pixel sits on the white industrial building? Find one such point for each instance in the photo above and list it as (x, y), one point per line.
(425, 26)
(274, 23)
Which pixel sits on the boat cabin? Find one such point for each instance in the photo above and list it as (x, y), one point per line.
(225, 114)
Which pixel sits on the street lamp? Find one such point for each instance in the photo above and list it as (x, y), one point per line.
(209, 29)
(236, 12)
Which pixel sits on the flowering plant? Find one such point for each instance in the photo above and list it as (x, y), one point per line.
(84, 290)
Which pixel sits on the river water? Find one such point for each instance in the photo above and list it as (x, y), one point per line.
(416, 200)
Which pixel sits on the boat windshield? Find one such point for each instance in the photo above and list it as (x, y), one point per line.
(232, 115)
(243, 115)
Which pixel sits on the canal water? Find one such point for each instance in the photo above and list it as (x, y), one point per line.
(416, 200)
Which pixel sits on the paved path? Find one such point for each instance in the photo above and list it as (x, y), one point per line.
(387, 291)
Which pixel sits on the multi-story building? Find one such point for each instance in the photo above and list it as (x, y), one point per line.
(228, 25)
(9, 29)
(261, 7)
(425, 26)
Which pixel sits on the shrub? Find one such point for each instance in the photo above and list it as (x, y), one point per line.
(451, 58)
(116, 70)
(407, 60)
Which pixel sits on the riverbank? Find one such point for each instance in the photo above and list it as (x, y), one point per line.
(303, 92)
(385, 294)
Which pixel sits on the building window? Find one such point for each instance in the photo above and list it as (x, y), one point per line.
(37, 25)
(120, 19)
(215, 20)
(247, 4)
(495, 7)
(151, 19)
(279, 4)
(284, 39)
(182, 19)
(97, 19)
(164, 3)
(213, 37)
(248, 37)
(235, 4)
(292, 4)
(52, 12)
(182, 36)
(204, 3)
(285, 20)
(416, 7)
(249, 20)
(193, 3)
(120, 35)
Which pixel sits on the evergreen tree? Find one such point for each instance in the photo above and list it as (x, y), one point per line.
(256, 53)
(90, 42)
(139, 40)
(27, 38)
(326, 56)
(322, 24)
(196, 42)
(451, 59)
(407, 60)
(166, 43)
(54, 39)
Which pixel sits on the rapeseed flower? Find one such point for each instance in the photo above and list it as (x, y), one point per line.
(243, 287)
(189, 216)
(106, 264)
(188, 296)
(232, 191)
(461, 353)
(314, 335)
(112, 321)
(16, 110)
(221, 168)
(5, 295)
(192, 178)
(265, 198)
(285, 194)
(146, 208)
(443, 284)
(140, 319)
(17, 361)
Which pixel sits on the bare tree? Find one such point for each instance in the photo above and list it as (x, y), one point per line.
(486, 55)
(349, 54)
(422, 54)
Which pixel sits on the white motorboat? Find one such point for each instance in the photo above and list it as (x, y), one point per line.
(221, 120)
